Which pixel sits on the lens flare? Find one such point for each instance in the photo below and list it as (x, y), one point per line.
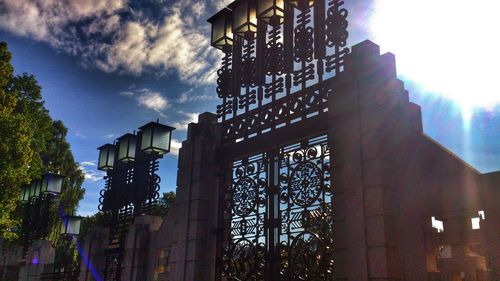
(448, 47)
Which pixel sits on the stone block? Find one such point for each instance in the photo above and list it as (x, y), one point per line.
(381, 231)
(340, 234)
(376, 172)
(363, 53)
(347, 176)
(199, 209)
(378, 89)
(340, 258)
(202, 190)
(199, 230)
(377, 118)
(343, 100)
(202, 171)
(207, 118)
(376, 201)
(196, 250)
(374, 144)
(339, 208)
(381, 263)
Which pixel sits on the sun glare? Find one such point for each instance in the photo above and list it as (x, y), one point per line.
(448, 47)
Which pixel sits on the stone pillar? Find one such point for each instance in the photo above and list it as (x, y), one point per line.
(370, 121)
(93, 256)
(10, 255)
(39, 259)
(193, 253)
(137, 247)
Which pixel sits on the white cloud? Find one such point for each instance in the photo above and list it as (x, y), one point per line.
(114, 37)
(175, 145)
(153, 100)
(149, 99)
(80, 135)
(110, 136)
(193, 96)
(221, 4)
(89, 163)
(89, 169)
(43, 20)
(190, 117)
(198, 8)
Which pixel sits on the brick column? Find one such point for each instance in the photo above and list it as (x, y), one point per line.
(193, 251)
(370, 122)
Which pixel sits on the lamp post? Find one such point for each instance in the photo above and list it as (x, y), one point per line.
(131, 183)
(36, 200)
(63, 268)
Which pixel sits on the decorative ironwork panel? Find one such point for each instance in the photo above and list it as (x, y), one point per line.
(263, 76)
(306, 223)
(277, 215)
(244, 214)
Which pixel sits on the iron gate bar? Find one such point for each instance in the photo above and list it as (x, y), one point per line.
(288, 134)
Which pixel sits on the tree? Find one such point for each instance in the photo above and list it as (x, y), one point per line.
(16, 154)
(91, 222)
(31, 143)
(166, 201)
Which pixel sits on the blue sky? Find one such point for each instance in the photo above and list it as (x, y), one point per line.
(109, 66)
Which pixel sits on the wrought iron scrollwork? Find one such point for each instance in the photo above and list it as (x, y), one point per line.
(277, 215)
(304, 42)
(336, 24)
(283, 195)
(248, 66)
(274, 60)
(282, 62)
(244, 209)
(225, 77)
(336, 36)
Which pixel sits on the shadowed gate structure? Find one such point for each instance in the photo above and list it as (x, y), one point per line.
(279, 58)
(314, 167)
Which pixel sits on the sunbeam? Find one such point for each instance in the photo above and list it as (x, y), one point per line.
(448, 47)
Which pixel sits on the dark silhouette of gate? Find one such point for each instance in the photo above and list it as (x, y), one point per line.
(281, 62)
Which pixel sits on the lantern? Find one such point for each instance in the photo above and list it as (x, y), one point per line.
(106, 157)
(52, 183)
(156, 138)
(35, 189)
(301, 4)
(222, 30)
(271, 11)
(244, 18)
(25, 194)
(71, 225)
(126, 148)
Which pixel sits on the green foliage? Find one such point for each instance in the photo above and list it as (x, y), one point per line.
(31, 143)
(91, 222)
(165, 202)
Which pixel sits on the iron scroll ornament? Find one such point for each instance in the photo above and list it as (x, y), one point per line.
(260, 78)
(305, 184)
(285, 222)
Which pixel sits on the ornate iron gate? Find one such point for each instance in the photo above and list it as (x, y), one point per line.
(281, 61)
(277, 213)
